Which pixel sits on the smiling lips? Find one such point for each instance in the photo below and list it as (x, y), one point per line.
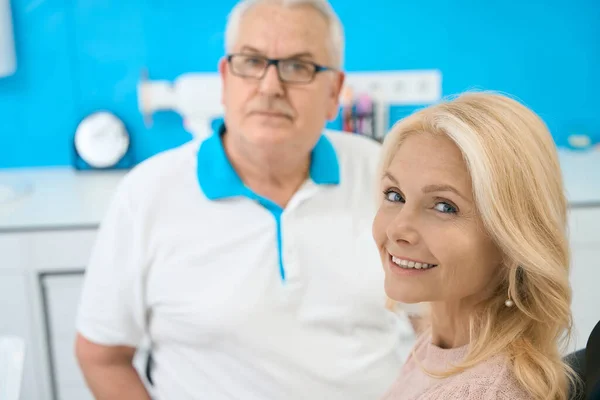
(409, 264)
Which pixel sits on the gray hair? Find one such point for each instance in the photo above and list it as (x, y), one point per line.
(336, 31)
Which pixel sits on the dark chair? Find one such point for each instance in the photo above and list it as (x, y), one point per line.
(576, 360)
(592, 364)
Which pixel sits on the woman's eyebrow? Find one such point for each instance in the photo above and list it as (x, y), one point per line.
(443, 188)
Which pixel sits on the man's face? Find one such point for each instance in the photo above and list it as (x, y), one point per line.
(271, 113)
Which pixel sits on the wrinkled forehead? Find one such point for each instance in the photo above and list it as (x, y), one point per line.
(280, 32)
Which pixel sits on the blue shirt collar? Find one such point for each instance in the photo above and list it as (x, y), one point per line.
(219, 180)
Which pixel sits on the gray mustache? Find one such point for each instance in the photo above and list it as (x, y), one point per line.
(271, 107)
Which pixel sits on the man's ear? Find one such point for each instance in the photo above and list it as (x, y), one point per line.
(336, 90)
(223, 65)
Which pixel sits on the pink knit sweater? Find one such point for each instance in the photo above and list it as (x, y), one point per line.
(489, 380)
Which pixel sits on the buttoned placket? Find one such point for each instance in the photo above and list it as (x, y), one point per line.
(292, 258)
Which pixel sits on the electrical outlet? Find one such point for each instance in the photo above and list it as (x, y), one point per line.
(419, 87)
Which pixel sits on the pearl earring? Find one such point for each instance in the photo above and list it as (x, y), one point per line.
(509, 302)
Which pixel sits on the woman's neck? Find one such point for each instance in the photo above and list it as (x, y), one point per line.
(450, 324)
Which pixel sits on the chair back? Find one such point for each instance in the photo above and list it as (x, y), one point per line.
(592, 364)
(576, 360)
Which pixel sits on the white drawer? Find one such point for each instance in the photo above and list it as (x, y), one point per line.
(61, 250)
(46, 251)
(13, 248)
(61, 298)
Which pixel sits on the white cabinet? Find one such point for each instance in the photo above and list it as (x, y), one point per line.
(584, 224)
(61, 292)
(46, 236)
(40, 281)
(41, 277)
(14, 320)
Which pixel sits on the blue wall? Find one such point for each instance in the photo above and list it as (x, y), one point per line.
(78, 56)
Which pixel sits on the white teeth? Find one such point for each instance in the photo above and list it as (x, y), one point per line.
(410, 264)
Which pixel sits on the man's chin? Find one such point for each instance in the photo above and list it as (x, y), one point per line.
(272, 122)
(270, 134)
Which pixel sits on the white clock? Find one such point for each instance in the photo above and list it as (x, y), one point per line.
(101, 140)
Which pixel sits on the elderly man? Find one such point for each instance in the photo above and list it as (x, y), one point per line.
(246, 258)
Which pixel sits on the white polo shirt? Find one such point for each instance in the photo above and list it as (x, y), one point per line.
(243, 300)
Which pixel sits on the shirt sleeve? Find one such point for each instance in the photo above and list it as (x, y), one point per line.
(111, 311)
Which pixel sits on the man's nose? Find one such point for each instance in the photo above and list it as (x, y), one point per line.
(270, 84)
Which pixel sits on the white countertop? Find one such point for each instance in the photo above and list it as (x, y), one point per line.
(62, 198)
(56, 198)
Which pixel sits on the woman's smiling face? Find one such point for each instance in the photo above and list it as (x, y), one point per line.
(431, 238)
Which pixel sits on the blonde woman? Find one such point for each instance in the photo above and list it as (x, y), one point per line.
(472, 221)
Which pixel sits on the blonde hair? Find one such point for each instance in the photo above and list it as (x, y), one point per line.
(518, 190)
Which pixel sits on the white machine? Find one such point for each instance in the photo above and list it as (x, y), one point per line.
(195, 96)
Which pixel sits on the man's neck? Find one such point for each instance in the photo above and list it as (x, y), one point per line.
(275, 175)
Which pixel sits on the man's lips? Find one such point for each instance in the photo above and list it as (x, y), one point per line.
(271, 114)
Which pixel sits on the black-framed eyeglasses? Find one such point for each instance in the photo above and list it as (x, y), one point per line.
(289, 70)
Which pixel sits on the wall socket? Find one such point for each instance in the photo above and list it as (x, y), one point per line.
(419, 87)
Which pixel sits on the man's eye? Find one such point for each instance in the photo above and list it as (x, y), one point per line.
(253, 61)
(298, 66)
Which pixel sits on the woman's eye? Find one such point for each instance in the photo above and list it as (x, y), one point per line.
(446, 208)
(393, 196)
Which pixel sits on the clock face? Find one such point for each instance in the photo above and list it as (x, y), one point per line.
(101, 140)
